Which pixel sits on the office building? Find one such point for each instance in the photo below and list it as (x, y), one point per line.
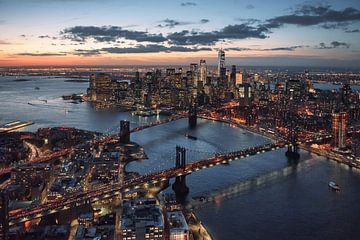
(203, 71)
(239, 78)
(178, 228)
(221, 63)
(339, 129)
(142, 219)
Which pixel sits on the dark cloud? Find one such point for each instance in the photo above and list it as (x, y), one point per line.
(332, 45)
(249, 6)
(44, 36)
(109, 34)
(291, 48)
(238, 49)
(188, 4)
(41, 54)
(86, 52)
(308, 15)
(2, 21)
(249, 21)
(238, 31)
(152, 48)
(170, 23)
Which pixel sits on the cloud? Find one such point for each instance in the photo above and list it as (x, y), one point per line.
(249, 6)
(153, 48)
(170, 23)
(2, 22)
(204, 20)
(188, 4)
(86, 52)
(44, 36)
(109, 34)
(332, 45)
(238, 31)
(291, 48)
(308, 15)
(41, 54)
(238, 49)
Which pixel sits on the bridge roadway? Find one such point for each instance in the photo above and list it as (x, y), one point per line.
(110, 190)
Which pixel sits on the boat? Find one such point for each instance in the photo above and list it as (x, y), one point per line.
(7, 127)
(37, 88)
(334, 186)
(190, 137)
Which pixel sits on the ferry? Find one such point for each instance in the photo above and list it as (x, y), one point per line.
(190, 137)
(334, 186)
(11, 126)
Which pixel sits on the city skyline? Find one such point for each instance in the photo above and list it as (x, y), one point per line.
(76, 32)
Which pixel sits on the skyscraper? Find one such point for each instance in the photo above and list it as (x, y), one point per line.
(221, 62)
(203, 71)
(339, 129)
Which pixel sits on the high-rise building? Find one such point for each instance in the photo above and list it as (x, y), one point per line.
(100, 87)
(355, 144)
(245, 94)
(232, 79)
(203, 71)
(339, 129)
(4, 216)
(239, 78)
(221, 62)
(294, 89)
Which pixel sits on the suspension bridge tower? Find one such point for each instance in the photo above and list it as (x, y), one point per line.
(292, 152)
(192, 115)
(179, 186)
(124, 133)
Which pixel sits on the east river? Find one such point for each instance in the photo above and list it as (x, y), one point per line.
(274, 199)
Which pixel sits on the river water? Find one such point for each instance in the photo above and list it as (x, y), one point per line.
(283, 201)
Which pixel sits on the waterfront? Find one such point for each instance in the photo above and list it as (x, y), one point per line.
(295, 206)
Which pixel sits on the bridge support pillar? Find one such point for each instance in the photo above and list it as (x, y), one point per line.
(192, 116)
(292, 152)
(124, 133)
(179, 186)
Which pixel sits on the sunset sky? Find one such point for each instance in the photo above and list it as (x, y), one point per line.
(114, 32)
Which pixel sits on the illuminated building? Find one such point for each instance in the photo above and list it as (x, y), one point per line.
(142, 219)
(221, 62)
(355, 144)
(245, 94)
(339, 129)
(239, 78)
(178, 228)
(203, 71)
(294, 89)
(4, 221)
(100, 87)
